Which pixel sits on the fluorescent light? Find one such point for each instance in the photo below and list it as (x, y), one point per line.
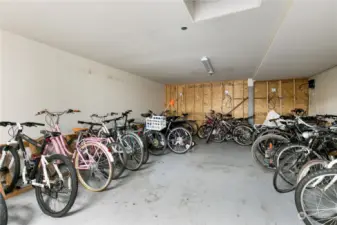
(207, 63)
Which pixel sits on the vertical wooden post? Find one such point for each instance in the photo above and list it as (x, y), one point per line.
(294, 92)
(222, 95)
(280, 96)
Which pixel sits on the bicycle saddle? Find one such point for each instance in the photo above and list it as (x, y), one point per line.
(185, 114)
(145, 115)
(131, 120)
(48, 133)
(32, 124)
(89, 123)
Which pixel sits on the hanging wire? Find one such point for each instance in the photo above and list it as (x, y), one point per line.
(303, 89)
(50, 120)
(272, 100)
(12, 131)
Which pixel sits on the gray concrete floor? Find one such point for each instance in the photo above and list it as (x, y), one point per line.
(213, 184)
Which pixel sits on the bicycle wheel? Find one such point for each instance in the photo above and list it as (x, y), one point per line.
(179, 140)
(10, 168)
(285, 176)
(188, 127)
(194, 126)
(316, 199)
(57, 199)
(157, 143)
(201, 132)
(120, 157)
(285, 151)
(146, 150)
(243, 135)
(3, 211)
(269, 142)
(134, 149)
(93, 166)
(310, 167)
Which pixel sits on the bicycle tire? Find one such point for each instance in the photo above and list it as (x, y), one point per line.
(120, 157)
(176, 149)
(287, 149)
(137, 154)
(16, 173)
(188, 126)
(110, 164)
(256, 148)
(201, 131)
(300, 192)
(194, 126)
(157, 142)
(279, 174)
(306, 167)
(238, 140)
(64, 161)
(3, 211)
(146, 150)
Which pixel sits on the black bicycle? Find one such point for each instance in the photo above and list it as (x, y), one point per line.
(54, 177)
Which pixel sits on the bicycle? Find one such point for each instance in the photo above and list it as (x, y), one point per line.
(92, 159)
(132, 144)
(156, 141)
(52, 176)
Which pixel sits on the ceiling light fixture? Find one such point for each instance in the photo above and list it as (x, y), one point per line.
(207, 63)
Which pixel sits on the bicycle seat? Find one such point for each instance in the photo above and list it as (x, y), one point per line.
(185, 114)
(48, 133)
(145, 115)
(89, 123)
(77, 130)
(32, 124)
(131, 120)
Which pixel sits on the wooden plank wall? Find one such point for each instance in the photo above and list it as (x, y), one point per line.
(198, 99)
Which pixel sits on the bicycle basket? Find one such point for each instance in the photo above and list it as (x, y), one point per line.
(156, 123)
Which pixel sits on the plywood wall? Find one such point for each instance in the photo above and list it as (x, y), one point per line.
(227, 96)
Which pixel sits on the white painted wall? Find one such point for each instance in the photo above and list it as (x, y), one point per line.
(34, 76)
(323, 99)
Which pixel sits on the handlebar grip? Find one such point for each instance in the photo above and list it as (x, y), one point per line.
(73, 110)
(40, 113)
(113, 113)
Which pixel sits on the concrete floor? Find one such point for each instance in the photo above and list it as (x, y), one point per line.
(213, 184)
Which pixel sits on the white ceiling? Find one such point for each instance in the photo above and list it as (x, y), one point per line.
(280, 39)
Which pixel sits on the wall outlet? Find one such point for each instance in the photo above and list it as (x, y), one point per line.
(273, 90)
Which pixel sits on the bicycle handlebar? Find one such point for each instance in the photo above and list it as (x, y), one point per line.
(6, 123)
(103, 116)
(27, 124)
(45, 111)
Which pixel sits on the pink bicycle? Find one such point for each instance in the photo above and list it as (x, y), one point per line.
(92, 159)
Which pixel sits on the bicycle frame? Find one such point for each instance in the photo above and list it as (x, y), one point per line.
(60, 146)
(30, 178)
